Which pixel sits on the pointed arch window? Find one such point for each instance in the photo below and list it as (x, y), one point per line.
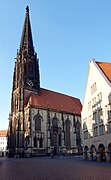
(55, 122)
(67, 133)
(37, 120)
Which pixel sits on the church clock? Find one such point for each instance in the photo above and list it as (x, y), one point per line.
(30, 83)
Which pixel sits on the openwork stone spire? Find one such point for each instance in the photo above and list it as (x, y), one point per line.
(26, 43)
(26, 73)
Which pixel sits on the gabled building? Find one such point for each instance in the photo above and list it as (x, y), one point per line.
(3, 142)
(41, 120)
(96, 112)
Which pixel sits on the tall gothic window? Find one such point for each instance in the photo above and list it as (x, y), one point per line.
(54, 133)
(55, 122)
(37, 120)
(67, 133)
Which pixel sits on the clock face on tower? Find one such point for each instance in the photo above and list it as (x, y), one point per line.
(30, 83)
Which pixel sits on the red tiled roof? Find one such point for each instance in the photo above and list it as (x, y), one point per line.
(3, 133)
(106, 68)
(56, 101)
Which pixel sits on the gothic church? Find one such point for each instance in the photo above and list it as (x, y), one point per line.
(41, 120)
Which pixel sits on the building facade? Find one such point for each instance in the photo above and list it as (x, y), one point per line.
(96, 112)
(41, 121)
(3, 142)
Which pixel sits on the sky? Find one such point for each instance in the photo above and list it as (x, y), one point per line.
(67, 34)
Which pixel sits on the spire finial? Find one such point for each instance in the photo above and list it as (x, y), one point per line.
(27, 9)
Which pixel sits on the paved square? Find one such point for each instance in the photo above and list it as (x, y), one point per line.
(45, 168)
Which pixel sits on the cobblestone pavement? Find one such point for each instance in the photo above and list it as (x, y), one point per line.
(59, 168)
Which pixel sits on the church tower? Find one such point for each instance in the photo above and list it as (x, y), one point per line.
(41, 121)
(26, 78)
(26, 72)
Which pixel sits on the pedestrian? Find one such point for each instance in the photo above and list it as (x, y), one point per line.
(52, 154)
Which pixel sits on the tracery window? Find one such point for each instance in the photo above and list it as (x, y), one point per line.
(37, 120)
(55, 122)
(54, 132)
(67, 133)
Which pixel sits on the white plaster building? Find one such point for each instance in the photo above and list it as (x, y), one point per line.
(3, 142)
(96, 112)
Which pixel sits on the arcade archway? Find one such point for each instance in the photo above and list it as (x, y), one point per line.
(101, 152)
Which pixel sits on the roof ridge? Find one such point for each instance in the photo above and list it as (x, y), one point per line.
(105, 69)
(56, 101)
(103, 62)
(60, 93)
